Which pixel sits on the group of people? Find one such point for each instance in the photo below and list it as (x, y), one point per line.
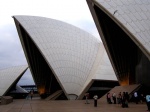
(120, 98)
(123, 99)
(142, 99)
(87, 101)
(138, 97)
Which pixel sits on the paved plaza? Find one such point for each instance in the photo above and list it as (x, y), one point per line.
(38, 105)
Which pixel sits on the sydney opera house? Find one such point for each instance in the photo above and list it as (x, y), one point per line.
(63, 59)
(66, 61)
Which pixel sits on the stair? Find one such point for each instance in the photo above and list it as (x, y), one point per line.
(129, 88)
(54, 95)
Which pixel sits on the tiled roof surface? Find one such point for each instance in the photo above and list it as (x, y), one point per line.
(8, 76)
(71, 52)
(134, 15)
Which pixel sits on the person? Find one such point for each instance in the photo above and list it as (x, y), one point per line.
(95, 100)
(28, 96)
(119, 98)
(127, 96)
(86, 97)
(148, 102)
(136, 97)
(109, 98)
(123, 100)
(142, 98)
(31, 94)
(114, 97)
(126, 99)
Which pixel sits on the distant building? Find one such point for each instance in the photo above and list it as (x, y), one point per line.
(62, 56)
(124, 27)
(30, 88)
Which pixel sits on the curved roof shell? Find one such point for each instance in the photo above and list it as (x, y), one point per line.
(71, 53)
(19, 90)
(134, 18)
(124, 26)
(9, 76)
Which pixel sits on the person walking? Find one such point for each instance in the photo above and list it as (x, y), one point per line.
(31, 94)
(86, 98)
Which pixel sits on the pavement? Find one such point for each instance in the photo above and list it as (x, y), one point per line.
(38, 105)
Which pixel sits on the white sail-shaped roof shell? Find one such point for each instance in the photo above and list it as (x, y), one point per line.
(134, 18)
(105, 70)
(9, 76)
(72, 53)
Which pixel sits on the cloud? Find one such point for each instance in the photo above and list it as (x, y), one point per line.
(26, 79)
(11, 53)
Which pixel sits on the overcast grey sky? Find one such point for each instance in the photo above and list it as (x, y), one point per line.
(75, 12)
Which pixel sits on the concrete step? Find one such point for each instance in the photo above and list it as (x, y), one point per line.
(54, 95)
(129, 88)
